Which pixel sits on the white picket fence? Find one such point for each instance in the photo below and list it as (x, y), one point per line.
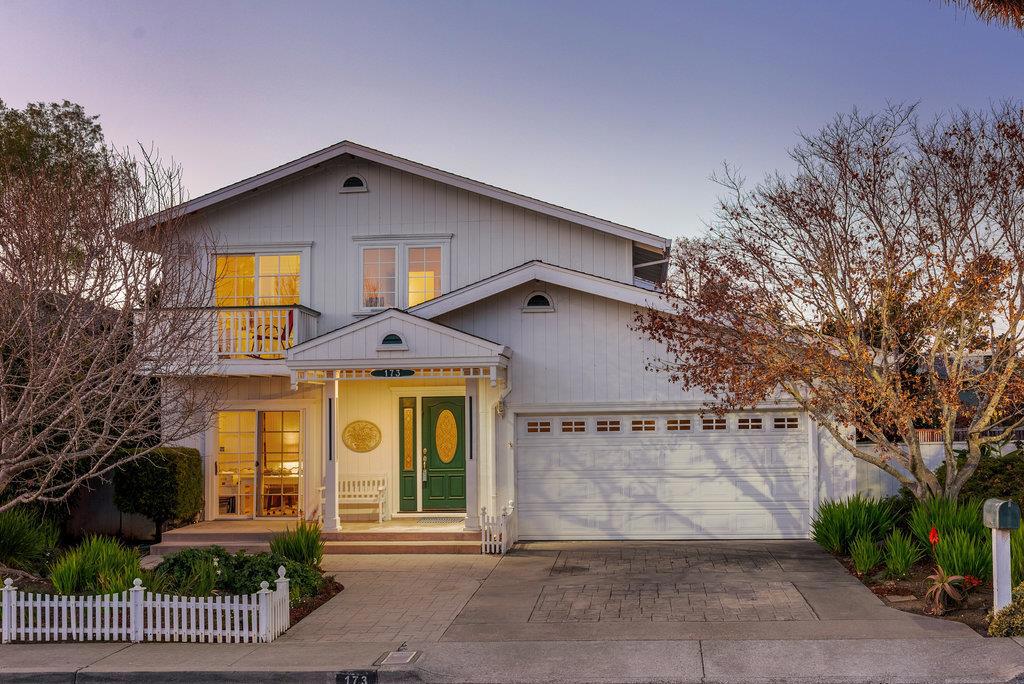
(141, 615)
(498, 532)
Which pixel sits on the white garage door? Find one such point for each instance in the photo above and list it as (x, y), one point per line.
(661, 476)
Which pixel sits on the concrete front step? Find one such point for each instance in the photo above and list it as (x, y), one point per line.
(356, 546)
(380, 547)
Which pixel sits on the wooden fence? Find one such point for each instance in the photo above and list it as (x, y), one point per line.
(140, 615)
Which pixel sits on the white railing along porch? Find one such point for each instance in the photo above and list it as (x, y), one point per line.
(262, 332)
(140, 615)
(498, 532)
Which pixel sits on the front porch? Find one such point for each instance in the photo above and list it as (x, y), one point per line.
(401, 535)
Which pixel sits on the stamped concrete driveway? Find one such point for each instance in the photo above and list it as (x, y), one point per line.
(609, 591)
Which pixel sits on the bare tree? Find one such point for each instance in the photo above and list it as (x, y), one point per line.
(100, 291)
(1005, 12)
(880, 287)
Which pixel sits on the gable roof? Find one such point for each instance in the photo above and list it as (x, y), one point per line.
(347, 147)
(358, 345)
(548, 273)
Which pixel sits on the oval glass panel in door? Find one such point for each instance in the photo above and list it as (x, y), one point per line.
(446, 436)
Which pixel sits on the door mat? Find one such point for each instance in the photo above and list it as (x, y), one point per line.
(439, 521)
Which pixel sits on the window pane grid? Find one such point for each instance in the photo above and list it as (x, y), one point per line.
(714, 423)
(379, 277)
(677, 424)
(574, 426)
(749, 423)
(424, 274)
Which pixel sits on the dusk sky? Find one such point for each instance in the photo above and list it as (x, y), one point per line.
(622, 110)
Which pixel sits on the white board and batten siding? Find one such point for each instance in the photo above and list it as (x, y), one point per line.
(577, 482)
(488, 236)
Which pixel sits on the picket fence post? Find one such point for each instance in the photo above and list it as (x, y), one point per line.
(135, 616)
(264, 596)
(282, 603)
(8, 608)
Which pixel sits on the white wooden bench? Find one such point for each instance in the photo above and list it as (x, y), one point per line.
(366, 489)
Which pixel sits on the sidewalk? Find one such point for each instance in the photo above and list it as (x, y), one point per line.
(924, 661)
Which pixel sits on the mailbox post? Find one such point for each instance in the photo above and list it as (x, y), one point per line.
(1002, 516)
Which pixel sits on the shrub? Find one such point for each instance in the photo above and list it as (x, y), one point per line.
(302, 545)
(865, 554)
(946, 516)
(99, 565)
(901, 552)
(245, 572)
(997, 476)
(164, 485)
(27, 540)
(1009, 622)
(964, 553)
(837, 524)
(192, 572)
(1017, 555)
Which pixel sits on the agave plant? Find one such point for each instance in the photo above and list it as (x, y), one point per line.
(945, 592)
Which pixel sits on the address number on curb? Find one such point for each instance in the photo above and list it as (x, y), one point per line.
(357, 677)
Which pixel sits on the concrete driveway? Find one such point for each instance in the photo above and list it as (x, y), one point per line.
(609, 591)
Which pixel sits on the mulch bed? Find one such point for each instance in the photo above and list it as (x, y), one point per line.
(973, 612)
(330, 589)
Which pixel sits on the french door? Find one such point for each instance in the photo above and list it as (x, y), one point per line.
(259, 464)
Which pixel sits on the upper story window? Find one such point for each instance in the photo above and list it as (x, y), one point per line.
(401, 275)
(257, 279)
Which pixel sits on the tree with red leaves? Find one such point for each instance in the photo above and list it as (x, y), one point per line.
(880, 287)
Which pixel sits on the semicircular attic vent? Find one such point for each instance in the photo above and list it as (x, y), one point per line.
(354, 183)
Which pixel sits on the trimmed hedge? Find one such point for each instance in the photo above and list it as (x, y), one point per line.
(165, 485)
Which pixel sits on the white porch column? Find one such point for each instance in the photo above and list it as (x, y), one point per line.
(473, 442)
(332, 523)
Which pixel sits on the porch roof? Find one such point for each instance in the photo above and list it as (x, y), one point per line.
(395, 339)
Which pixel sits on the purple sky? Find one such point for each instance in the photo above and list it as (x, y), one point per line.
(618, 109)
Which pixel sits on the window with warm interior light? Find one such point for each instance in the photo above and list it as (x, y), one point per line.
(538, 426)
(643, 426)
(423, 274)
(608, 426)
(400, 275)
(269, 281)
(677, 424)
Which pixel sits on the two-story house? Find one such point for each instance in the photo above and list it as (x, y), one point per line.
(382, 323)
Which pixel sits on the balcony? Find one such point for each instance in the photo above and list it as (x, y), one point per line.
(262, 332)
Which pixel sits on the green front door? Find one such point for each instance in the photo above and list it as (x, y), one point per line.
(444, 453)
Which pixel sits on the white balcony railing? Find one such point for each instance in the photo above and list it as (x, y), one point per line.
(262, 332)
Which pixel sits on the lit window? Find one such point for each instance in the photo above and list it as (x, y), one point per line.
(538, 426)
(379, 277)
(713, 423)
(677, 424)
(279, 279)
(574, 426)
(787, 423)
(608, 426)
(643, 426)
(236, 280)
(749, 423)
(424, 274)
